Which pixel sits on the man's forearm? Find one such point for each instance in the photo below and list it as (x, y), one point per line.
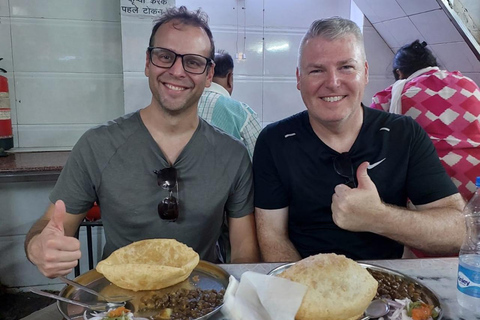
(36, 229)
(435, 231)
(278, 251)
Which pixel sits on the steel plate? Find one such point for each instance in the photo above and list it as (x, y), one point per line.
(430, 297)
(205, 276)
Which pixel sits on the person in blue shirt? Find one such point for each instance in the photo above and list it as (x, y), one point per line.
(219, 109)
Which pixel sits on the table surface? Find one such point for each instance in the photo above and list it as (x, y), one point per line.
(438, 274)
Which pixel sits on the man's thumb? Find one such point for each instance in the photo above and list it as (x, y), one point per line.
(58, 215)
(364, 181)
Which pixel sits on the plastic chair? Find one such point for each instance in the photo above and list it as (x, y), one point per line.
(93, 219)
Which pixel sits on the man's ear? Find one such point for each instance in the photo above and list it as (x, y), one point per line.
(230, 81)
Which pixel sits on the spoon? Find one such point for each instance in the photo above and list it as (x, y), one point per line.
(99, 306)
(377, 308)
(113, 299)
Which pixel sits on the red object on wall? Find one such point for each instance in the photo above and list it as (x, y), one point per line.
(6, 135)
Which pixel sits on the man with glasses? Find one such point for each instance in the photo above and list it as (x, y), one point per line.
(337, 177)
(160, 172)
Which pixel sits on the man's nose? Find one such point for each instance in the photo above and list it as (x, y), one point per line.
(333, 79)
(177, 66)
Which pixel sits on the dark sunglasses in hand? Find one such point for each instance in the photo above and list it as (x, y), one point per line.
(344, 167)
(168, 207)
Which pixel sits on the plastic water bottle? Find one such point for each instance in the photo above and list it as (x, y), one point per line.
(468, 282)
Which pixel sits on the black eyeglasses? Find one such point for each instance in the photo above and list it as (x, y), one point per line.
(192, 63)
(344, 167)
(168, 207)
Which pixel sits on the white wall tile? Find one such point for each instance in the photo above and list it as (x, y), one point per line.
(299, 16)
(281, 99)
(22, 204)
(135, 37)
(398, 32)
(42, 136)
(380, 10)
(73, 46)
(281, 53)
(435, 27)
(465, 60)
(137, 91)
(104, 10)
(226, 39)
(250, 91)
(4, 10)
(379, 55)
(45, 98)
(6, 45)
(415, 6)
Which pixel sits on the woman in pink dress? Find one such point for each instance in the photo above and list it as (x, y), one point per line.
(446, 104)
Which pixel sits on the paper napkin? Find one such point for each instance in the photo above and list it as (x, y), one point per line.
(262, 297)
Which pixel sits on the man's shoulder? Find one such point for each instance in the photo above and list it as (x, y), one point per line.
(219, 137)
(112, 133)
(287, 126)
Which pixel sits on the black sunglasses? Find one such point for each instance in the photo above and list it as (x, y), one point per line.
(344, 167)
(168, 207)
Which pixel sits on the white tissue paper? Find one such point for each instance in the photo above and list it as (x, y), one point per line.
(262, 297)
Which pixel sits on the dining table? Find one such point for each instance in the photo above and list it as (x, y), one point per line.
(437, 274)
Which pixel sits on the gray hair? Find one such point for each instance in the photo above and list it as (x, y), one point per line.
(331, 29)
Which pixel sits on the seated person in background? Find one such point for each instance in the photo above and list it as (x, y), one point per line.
(160, 172)
(218, 108)
(446, 104)
(336, 177)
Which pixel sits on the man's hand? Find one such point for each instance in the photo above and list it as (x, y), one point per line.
(51, 251)
(358, 209)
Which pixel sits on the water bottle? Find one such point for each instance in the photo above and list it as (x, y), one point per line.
(468, 281)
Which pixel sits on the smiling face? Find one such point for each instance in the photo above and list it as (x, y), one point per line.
(174, 90)
(331, 76)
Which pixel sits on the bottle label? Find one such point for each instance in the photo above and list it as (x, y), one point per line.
(468, 281)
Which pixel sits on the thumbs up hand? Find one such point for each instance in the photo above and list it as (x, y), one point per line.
(52, 251)
(357, 209)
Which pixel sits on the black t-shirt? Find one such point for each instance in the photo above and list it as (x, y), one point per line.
(294, 168)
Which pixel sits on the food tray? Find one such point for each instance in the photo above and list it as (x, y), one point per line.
(427, 294)
(205, 276)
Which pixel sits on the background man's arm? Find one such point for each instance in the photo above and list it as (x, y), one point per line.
(272, 230)
(243, 239)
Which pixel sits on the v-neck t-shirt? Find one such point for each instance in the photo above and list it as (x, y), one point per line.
(114, 164)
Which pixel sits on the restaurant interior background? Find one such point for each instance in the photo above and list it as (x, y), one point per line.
(75, 64)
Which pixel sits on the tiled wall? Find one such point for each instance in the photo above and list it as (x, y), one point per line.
(64, 59)
(65, 67)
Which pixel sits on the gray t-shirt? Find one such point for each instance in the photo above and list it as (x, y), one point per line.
(114, 165)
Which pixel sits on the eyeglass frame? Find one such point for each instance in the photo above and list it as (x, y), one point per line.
(168, 185)
(350, 177)
(209, 60)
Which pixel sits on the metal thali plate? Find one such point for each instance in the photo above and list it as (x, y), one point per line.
(205, 276)
(428, 296)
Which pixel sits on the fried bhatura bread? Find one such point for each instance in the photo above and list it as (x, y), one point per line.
(149, 264)
(338, 287)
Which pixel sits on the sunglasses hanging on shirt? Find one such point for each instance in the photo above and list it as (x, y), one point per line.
(168, 207)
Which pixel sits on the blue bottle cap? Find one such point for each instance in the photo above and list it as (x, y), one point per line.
(477, 183)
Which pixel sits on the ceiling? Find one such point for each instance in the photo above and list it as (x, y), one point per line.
(402, 21)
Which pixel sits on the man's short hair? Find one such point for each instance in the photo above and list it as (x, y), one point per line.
(223, 64)
(331, 29)
(196, 18)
